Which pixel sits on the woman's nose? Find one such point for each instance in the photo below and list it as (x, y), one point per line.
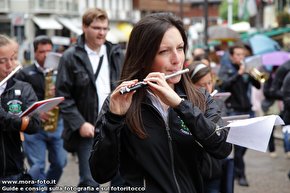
(176, 57)
(10, 63)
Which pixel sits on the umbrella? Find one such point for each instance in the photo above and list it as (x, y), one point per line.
(223, 33)
(276, 58)
(261, 44)
(253, 62)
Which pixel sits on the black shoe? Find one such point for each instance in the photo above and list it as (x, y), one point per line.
(243, 181)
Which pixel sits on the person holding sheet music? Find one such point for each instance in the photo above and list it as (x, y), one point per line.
(155, 135)
(37, 145)
(280, 90)
(16, 96)
(218, 174)
(237, 81)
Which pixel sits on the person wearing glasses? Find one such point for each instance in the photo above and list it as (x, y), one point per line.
(15, 97)
(87, 73)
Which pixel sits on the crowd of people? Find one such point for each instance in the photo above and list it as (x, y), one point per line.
(254, 93)
(167, 135)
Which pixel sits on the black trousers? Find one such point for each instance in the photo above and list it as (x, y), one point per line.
(227, 181)
(271, 146)
(239, 163)
(239, 151)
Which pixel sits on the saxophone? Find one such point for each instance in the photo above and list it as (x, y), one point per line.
(50, 125)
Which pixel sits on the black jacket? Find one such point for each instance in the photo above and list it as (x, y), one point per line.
(76, 82)
(286, 99)
(35, 77)
(275, 91)
(168, 159)
(238, 86)
(14, 100)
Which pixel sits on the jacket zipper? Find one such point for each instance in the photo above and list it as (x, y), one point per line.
(172, 157)
(210, 165)
(170, 149)
(144, 183)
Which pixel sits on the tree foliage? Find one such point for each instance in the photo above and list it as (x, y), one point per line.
(283, 18)
(223, 10)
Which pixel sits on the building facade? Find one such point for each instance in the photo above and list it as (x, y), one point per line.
(26, 19)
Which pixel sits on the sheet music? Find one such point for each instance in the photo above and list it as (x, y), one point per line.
(253, 133)
(52, 60)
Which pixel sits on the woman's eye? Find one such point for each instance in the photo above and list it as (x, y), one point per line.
(163, 51)
(180, 48)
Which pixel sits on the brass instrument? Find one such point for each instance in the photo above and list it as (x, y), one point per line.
(51, 64)
(253, 68)
(259, 75)
(50, 124)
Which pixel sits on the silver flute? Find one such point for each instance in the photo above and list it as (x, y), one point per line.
(16, 69)
(143, 84)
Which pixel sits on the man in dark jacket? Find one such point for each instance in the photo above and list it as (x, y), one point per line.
(275, 91)
(87, 73)
(237, 81)
(16, 96)
(280, 89)
(35, 146)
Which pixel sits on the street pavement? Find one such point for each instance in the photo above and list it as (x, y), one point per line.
(264, 174)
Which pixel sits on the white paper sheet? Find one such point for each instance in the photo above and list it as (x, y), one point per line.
(253, 133)
(52, 60)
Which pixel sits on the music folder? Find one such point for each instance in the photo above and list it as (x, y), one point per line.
(42, 106)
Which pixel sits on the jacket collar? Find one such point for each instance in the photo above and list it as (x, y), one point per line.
(180, 90)
(10, 83)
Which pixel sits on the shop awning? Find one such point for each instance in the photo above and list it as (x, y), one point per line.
(47, 23)
(70, 24)
(270, 33)
(60, 40)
